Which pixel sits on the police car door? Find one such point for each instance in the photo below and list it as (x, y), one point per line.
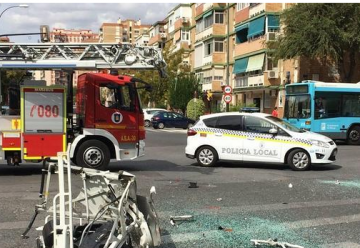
(262, 145)
(228, 139)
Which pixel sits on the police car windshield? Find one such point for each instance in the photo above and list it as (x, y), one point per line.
(284, 124)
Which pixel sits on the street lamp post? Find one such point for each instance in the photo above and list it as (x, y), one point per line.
(14, 6)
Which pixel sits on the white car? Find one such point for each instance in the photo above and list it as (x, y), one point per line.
(149, 113)
(256, 137)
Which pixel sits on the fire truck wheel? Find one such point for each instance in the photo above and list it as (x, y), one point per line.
(93, 154)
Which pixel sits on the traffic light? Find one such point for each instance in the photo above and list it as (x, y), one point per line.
(209, 95)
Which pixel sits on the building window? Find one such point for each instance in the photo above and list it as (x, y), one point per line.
(199, 26)
(185, 35)
(208, 22)
(170, 23)
(241, 82)
(219, 17)
(219, 45)
(240, 6)
(207, 80)
(218, 78)
(208, 48)
(200, 77)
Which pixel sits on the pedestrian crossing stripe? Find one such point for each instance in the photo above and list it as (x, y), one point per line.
(256, 136)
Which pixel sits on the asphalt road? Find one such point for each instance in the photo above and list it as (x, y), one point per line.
(235, 202)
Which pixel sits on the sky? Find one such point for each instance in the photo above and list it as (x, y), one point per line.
(75, 16)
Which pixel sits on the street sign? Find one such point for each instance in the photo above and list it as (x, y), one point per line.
(227, 98)
(228, 89)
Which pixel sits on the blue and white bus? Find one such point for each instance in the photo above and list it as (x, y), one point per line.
(332, 109)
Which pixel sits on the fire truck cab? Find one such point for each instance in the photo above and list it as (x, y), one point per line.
(109, 121)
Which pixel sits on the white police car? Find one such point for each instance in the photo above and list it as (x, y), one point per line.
(256, 137)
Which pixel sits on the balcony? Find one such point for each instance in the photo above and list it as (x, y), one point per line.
(250, 46)
(264, 7)
(264, 79)
(157, 38)
(214, 86)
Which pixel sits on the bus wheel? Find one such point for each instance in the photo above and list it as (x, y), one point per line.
(93, 154)
(299, 160)
(354, 136)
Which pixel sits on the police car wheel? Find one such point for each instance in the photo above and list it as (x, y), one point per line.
(93, 154)
(354, 136)
(299, 160)
(206, 156)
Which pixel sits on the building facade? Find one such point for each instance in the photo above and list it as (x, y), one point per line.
(58, 35)
(122, 31)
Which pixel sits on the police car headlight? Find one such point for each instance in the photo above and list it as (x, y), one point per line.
(320, 143)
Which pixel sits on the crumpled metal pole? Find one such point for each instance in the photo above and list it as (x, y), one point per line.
(274, 243)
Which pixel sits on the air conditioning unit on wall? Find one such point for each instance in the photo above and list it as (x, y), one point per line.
(273, 74)
(185, 20)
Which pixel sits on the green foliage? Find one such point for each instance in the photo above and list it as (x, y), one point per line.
(160, 92)
(195, 108)
(7, 78)
(182, 90)
(326, 31)
(238, 106)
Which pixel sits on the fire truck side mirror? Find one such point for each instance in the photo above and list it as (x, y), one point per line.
(44, 33)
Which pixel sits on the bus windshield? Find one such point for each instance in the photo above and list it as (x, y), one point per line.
(284, 124)
(298, 107)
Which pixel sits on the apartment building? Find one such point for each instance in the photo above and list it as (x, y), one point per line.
(59, 35)
(158, 34)
(210, 61)
(142, 39)
(122, 31)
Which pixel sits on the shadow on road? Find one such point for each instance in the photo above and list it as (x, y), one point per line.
(272, 166)
(158, 165)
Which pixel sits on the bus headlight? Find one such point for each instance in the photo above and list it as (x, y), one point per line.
(320, 143)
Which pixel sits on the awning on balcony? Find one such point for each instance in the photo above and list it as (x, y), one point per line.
(241, 27)
(207, 14)
(256, 27)
(240, 65)
(256, 62)
(273, 22)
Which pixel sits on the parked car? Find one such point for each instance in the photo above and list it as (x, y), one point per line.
(4, 110)
(148, 114)
(256, 137)
(171, 119)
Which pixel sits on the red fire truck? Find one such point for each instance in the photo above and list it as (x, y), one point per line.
(109, 119)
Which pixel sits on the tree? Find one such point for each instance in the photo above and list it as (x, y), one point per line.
(7, 78)
(195, 108)
(183, 90)
(160, 86)
(326, 31)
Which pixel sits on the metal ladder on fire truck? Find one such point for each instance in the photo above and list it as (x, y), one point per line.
(79, 56)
